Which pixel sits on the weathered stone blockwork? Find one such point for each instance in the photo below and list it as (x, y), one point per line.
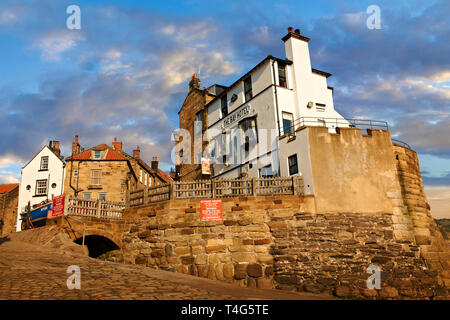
(280, 242)
(170, 236)
(8, 211)
(331, 252)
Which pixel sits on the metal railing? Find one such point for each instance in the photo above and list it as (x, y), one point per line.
(362, 124)
(217, 188)
(401, 143)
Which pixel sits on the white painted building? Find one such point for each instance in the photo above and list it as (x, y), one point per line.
(42, 178)
(269, 102)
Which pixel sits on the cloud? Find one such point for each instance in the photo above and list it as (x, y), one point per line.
(55, 43)
(439, 199)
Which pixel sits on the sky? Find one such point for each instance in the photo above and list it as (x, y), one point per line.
(125, 73)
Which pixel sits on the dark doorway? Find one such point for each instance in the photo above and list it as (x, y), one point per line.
(97, 245)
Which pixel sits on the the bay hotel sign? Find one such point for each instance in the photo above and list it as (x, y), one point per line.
(236, 116)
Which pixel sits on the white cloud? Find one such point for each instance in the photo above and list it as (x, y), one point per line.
(439, 199)
(53, 44)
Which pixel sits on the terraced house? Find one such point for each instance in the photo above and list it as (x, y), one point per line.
(107, 173)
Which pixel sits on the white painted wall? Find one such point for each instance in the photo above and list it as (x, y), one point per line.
(31, 173)
(303, 85)
(299, 146)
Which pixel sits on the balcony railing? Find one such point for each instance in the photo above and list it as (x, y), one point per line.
(362, 124)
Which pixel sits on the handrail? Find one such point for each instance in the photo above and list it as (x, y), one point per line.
(335, 122)
(401, 143)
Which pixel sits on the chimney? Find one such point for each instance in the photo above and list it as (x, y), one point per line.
(54, 146)
(117, 145)
(75, 147)
(172, 173)
(290, 30)
(297, 31)
(155, 163)
(195, 82)
(137, 153)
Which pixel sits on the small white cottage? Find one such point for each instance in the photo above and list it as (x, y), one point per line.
(42, 178)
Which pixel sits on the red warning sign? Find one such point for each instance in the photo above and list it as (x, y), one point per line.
(211, 210)
(57, 207)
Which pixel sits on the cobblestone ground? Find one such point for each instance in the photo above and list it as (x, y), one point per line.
(32, 272)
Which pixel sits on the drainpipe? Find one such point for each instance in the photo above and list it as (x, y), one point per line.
(276, 105)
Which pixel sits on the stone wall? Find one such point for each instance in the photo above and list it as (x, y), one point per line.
(331, 252)
(427, 235)
(170, 236)
(280, 242)
(8, 211)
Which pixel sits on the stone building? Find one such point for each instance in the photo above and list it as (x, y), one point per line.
(107, 173)
(9, 198)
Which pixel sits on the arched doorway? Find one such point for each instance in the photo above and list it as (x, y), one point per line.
(97, 245)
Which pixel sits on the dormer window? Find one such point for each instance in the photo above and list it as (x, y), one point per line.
(97, 154)
(282, 76)
(224, 105)
(248, 88)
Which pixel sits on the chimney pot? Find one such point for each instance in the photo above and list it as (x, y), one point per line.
(155, 163)
(297, 31)
(137, 153)
(290, 29)
(117, 145)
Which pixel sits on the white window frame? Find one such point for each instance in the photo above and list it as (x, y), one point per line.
(92, 177)
(44, 163)
(41, 190)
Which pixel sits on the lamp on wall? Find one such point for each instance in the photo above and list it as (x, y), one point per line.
(310, 104)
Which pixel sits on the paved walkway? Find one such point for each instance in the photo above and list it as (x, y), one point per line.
(32, 272)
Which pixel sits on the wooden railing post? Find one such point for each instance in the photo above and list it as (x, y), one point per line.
(98, 208)
(294, 185)
(213, 188)
(172, 191)
(254, 189)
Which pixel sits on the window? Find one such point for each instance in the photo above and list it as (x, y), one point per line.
(198, 123)
(140, 175)
(102, 196)
(53, 185)
(97, 154)
(282, 76)
(44, 163)
(96, 177)
(86, 195)
(146, 179)
(224, 105)
(249, 129)
(320, 107)
(75, 173)
(288, 123)
(41, 187)
(248, 88)
(224, 147)
(266, 172)
(292, 163)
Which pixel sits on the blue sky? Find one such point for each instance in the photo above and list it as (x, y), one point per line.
(125, 73)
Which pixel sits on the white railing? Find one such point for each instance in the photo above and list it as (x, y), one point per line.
(94, 208)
